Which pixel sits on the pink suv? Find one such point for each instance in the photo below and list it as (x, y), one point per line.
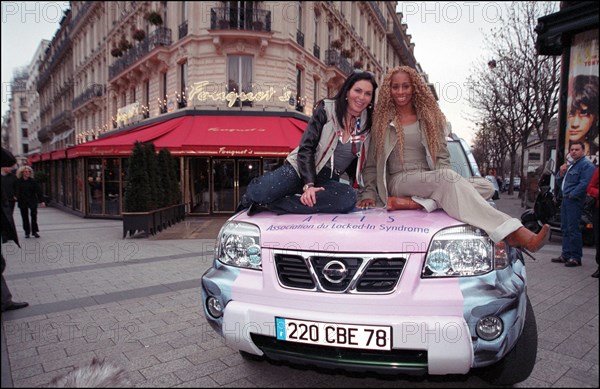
(406, 292)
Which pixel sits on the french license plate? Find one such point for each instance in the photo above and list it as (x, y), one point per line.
(333, 334)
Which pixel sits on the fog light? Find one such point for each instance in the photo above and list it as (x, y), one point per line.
(489, 327)
(214, 307)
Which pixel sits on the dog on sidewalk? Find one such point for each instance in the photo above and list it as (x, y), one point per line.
(97, 374)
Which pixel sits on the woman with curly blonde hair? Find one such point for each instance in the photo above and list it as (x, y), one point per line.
(408, 163)
(29, 195)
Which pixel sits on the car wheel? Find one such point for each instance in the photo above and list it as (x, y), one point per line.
(251, 357)
(532, 225)
(518, 364)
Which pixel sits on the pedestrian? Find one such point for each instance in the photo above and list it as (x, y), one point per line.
(573, 178)
(333, 142)
(29, 195)
(9, 186)
(408, 162)
(592, 190)
(8, 232)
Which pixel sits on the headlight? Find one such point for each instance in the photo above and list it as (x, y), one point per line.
(459, 251)
(238, 245)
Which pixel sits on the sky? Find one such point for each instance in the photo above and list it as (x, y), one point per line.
(449, 42)
(24, 25)
(448, 39)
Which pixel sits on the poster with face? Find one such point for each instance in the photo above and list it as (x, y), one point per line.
(582, 102)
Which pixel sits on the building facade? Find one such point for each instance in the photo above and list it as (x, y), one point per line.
(226, 86)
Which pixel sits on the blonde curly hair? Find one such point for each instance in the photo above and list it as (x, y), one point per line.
(22, 169)
(433, 121)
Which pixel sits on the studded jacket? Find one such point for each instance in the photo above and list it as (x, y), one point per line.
(319, 141)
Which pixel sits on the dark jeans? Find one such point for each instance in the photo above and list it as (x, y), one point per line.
(570, 218)
(30, 228)
(279, 192)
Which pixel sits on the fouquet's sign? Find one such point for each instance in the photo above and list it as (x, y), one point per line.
(129, 114)
(199, 91)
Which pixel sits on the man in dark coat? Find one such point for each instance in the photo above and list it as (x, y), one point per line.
(8, 232)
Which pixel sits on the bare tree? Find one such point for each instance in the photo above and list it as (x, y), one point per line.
(517, 90)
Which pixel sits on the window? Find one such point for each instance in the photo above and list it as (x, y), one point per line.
(300, 101)
(315, 91)
(184, 11)
(25, 148)
(146, 102)
(239, 76)
(183, 73)
(163, 104)
(534, 156)
(23, 117)
(133, 96)
(24, 132)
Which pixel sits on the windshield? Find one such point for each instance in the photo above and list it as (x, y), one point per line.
(460, 161)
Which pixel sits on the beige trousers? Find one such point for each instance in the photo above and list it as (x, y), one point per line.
(457, 196)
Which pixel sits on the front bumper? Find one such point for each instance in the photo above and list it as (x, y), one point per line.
(434, 345)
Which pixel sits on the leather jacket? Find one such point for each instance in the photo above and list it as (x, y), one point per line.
(319, 141)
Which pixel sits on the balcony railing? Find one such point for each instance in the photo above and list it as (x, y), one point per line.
(94, 90)
(317, 51)
(183, 29)
(232, 18)
(377, 11)
(44, 134)
(159, 37)
(334, 58)
(61, 121)
(300, 38)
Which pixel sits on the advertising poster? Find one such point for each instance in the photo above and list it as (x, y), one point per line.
(582, 102)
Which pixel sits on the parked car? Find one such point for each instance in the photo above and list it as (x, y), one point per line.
(517, 183)
(400, 292)
(494, 182)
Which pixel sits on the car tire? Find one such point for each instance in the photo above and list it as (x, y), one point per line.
(518, 364)
(251, 357)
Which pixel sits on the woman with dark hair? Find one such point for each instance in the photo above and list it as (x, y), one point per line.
(582, 119)
(333, 143)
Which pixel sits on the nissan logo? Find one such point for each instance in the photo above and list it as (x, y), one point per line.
(335, 272)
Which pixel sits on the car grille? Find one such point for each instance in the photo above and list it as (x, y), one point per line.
(339, 273)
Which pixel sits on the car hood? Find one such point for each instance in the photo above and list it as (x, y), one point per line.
(373, 230)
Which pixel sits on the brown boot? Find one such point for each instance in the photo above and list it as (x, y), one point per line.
(402, 203)
(525, 239)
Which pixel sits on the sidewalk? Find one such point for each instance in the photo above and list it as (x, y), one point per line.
(136, 302)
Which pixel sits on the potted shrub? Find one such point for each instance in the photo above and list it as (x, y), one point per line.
(358, 64)
(124, 44)
(154, 18)
(139, 35)
(116, 52)
(137, 202)
(346, 53)
(336, 44)
(152, 194)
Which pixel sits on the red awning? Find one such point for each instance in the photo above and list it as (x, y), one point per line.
(206, 136)
(46, 156)
(58, 154)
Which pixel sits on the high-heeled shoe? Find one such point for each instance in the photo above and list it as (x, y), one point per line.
(394, 203)
(528, 240)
